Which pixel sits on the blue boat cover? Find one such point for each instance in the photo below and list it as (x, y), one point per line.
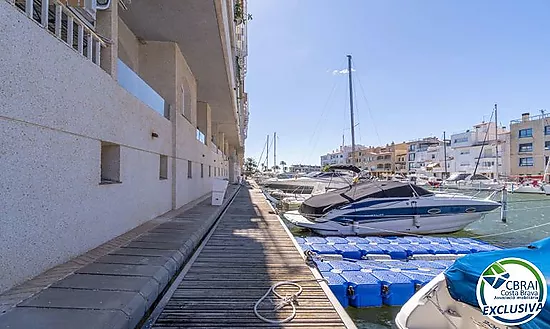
(463, 275)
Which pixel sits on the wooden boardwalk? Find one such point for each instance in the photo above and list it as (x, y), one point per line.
(248, 251)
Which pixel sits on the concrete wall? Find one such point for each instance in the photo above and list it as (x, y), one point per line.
(52, 123)
(128, 46)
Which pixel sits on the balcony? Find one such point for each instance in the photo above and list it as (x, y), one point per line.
(214, 47)
(65, 24)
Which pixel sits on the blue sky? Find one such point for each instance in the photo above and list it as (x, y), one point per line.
(424, 66)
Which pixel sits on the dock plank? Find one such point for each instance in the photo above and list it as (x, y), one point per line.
(247, 253)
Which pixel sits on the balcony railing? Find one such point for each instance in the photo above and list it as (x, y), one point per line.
(62, 22)
(135, 85)
(530, 118)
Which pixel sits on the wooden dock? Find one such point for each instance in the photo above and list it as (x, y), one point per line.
(248, 251)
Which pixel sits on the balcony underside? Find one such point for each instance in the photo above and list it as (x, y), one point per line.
(195, 26)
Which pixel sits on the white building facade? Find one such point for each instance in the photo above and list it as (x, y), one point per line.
(426, 156)
(339, 156)
(477, 148)
(107, 123)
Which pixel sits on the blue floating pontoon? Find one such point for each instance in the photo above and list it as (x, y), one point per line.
(365, 289)
(396, 287)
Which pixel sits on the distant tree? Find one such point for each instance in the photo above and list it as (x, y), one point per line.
(250, 166)
(283, 164)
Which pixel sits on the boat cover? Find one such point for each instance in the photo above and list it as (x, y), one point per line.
(320, 204)
(463, 275)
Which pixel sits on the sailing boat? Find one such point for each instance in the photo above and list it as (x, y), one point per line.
(386, 208)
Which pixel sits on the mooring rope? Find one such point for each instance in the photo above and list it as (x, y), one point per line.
(289, 300)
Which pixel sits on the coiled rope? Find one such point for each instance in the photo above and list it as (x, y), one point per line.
(289, 300)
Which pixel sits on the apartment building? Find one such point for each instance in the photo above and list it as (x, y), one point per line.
(115, 112)
(476, 148)
(529, 144)
(341, 155)
(422, 155)
(381, 161)
(300, 168)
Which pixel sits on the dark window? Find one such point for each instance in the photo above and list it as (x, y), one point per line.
(110, 163)
(189, 169)
(209, 171)
(526, 162)
(202, 170)
(526, 132)
(547, 145)
(411, 156)
(163, 167)
(547, 130)
(527, 147)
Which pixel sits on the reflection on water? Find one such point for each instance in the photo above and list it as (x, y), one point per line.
(524, 212)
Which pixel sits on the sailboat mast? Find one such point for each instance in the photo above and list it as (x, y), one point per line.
(496, 142)
(445, 154)
(351, 111)
(274, 149)
(267, 156)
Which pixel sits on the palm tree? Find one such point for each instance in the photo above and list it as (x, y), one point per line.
(250, 166)
(283, 164)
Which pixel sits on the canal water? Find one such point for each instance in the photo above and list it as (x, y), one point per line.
(528, 220)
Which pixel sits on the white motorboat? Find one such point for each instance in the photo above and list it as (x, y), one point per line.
(388, 208)
(477, 182)
(310, 182)
(531, 187)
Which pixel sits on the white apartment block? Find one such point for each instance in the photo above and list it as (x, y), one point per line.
(339, 156)
(112, 114)
(479, 143)
(426, 156)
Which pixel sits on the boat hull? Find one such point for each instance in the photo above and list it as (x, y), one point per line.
(388, 226)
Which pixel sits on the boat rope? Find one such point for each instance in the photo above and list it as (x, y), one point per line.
(438, 307)
(289, 300)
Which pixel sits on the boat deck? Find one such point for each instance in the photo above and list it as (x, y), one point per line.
(248, 250)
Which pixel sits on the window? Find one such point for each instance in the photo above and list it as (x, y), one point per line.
(464, 152)
(110, 163)
(209, 171)
(526, 132)
(526, 162)
(412, 147)
(200, 136)
(460, 140)
(411, 156)
(163, 167)
(433, 156)
(547, 145)
(189, 169)
(547, 130)
(202, 170)
(527, 147)
(387, 156)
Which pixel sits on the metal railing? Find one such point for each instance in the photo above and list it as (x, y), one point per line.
(530, 118)
(62, 22)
